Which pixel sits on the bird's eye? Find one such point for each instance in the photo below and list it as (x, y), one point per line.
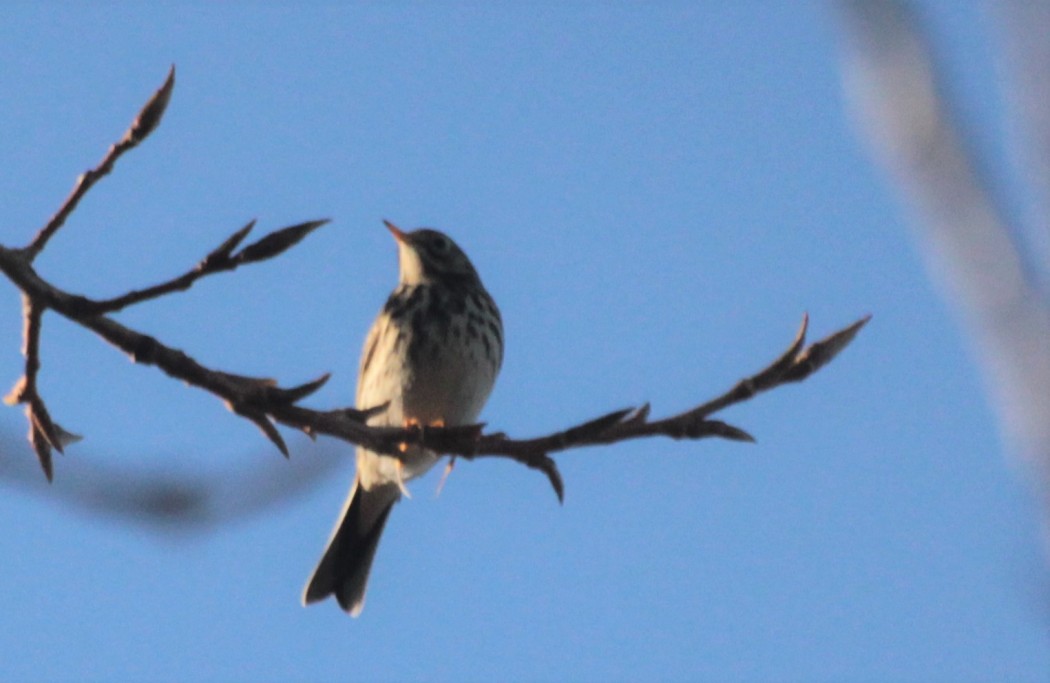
(439, 246)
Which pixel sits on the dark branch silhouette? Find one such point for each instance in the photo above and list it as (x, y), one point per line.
(266, 404)
(169, 499)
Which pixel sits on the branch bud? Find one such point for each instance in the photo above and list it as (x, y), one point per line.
(149, 118)
(277, 242)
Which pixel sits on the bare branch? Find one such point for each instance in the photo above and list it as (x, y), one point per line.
(143, 125)
(44, 434)
(218, 261)
(149, 118)
(266, 404)
(691, 424)
(766, 379)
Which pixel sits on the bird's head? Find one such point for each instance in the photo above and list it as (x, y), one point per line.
(427, 255)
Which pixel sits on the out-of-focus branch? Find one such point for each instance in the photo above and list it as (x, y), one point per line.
(897, 89)
(168, 499)
(1025, 26)
(266, 404)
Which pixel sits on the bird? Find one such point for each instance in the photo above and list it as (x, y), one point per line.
(432, 357)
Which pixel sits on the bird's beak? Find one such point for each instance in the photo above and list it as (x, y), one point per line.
(398, 234)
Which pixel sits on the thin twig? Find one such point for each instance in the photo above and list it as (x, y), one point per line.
(144, 124)
(222, 259)
(44, 434)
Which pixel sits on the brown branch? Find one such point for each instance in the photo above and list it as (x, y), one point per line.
(44, 434)
(794, 365)
(221, 259)
(144, 124)
(266, 404)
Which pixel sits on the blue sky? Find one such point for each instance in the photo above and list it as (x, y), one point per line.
(654, 195)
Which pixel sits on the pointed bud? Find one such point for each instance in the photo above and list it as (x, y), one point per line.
(221, 254)
(820, 353)
(277, 242)
(149, 118)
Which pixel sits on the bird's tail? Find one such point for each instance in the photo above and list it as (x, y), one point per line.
(343, 570)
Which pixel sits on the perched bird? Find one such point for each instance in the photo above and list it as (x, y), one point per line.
(432, 356)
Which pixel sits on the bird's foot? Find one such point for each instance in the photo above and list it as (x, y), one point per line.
(444, 475)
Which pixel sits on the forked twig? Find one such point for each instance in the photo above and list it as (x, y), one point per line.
(221, 259)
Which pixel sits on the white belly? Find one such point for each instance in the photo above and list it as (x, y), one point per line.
(445, 382)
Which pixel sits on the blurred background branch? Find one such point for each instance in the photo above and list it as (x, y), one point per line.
(992, 267)
(166, 499)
